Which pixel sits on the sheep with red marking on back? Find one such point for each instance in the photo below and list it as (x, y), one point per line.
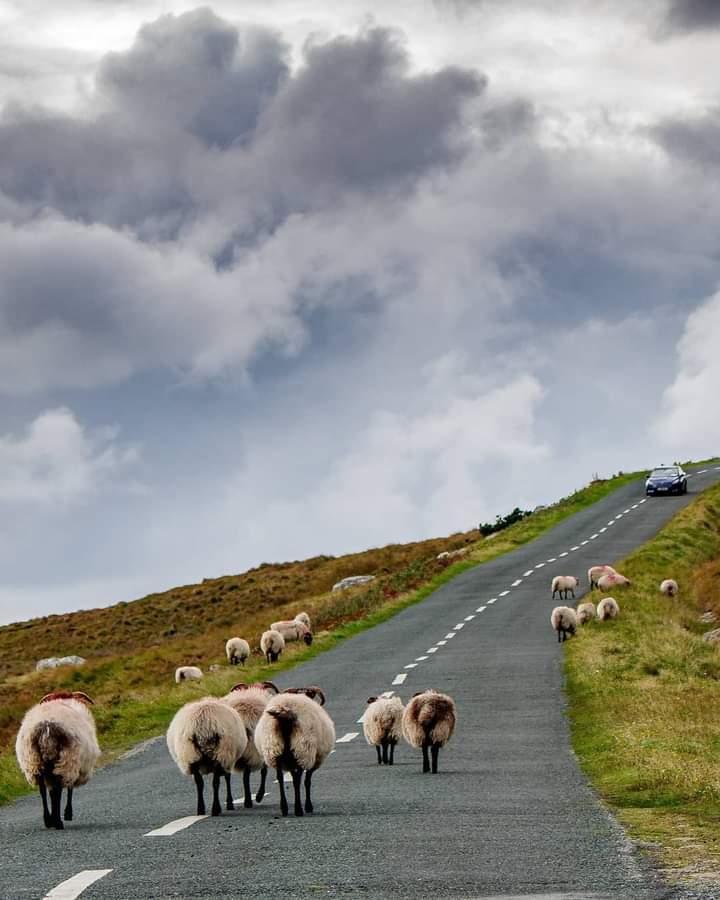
(611, 580)
(595, 572)
(57, 749)
(295, 734)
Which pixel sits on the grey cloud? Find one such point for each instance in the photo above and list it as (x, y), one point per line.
(685, 16)
(696, 140)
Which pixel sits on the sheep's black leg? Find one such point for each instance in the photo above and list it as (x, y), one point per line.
(216, 807)
(261, 790)
(68, 814)
(392, 752)
(559, 635)
(281, 785)
(246, 786)
(47, 818)
(297, 781)
(55, 797)
(385, 752)
(228, 792)
(377, 747)
(200, 787)
(435, 750)
(426, 759)
(308, 801)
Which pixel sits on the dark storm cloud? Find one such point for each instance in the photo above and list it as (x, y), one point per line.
(692, 15)
(696, 140)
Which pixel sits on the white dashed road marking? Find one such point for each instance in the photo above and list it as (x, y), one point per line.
(449, 635)
(503, 593)
(73, 887)
(493, 600)
(574, 548)
(398, 679)
(644, 499)
(433, 650)
(582, 543)
(553, 559)
(529, 572)
(635, 505)
(470, 617)
(593, 536)
(516, 582)
(346, 738)
(565, 553)
(387, 694)
(442, 643)
(481, 609)
(539, 565)
(626, 510)
(458, 626)
(175, 826)
(410, 666)
(420, 658)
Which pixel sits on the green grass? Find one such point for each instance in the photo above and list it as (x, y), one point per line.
(133, 685)
(644, 696)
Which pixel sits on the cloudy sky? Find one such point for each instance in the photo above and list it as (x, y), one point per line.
(284, 277)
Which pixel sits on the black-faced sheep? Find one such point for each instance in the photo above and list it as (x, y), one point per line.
(428, 723)
(293, 630)
(585, 613)
(272, 644)
(669, 587)
(608, 609)
(295, 734)
(382, 726)
(237, 651)
(206, 737)
(187, 673)
(57, 749)
(564, 621)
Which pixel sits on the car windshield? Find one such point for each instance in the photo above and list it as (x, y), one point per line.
(664, 472)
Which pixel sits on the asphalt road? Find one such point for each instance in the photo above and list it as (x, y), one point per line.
(509, 814)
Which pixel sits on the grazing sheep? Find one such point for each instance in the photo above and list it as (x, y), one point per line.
(237, 651)
(561, 584)
(293, 630)
(249, 702)
(304, 619)
(272, 644)
(295, 734)
(382, 726)
(564, 620)
(611, 580)
(206, 737)
(428, 723)
(669, 587)
(185, 673)
(595, 572)
(608, 609)
(56, 748)
(585, 613)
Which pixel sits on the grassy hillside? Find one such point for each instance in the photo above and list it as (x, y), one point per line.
(645, 697)
(132, 649)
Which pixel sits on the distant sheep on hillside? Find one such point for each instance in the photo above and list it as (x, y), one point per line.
(188, 673)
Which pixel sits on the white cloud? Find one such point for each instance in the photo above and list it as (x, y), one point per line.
(58, 460)
(690, 424)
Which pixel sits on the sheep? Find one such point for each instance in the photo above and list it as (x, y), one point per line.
(304, 619)
(612, 579)
(56, 748)
(249, 702)
(295, 734)
(183, 673)
(272, 644)
(206, 737)
(564, 620)
(608, 609)
(428, 723)
(669, 587)
(293, 630)
(594, 572)
(237, 651)
(585, 613)
(382, 726)
(561, 584)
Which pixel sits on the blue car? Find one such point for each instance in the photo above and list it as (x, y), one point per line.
(666, 480)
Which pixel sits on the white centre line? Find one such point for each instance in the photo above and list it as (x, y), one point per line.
(553, 559)
(593, 536)
(73, 887)
(346, 738)
(635, 505)
(398, 679)
(410, 666)
(701, 472)
(387, 694)
(175, 826)
(493, 600)
(582, 543)
(619, 515)
(539, 565)
(470, 617)
(516, 582)
(481, 609)
(529, 572)
(564, 553)
(449, 635)
(611, 522)
(442, 643)
(420, 658)
(574, 548)
(503, 593)
(432, 650)
(717, 468)
(644, 500)
(626, 511)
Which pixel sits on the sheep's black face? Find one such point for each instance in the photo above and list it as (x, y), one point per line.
(307, 638)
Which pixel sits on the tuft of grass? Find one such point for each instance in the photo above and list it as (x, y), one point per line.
(644, 693)
(132, 649)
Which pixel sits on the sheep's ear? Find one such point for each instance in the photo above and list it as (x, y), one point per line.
(240, 686)
(314, 693)
(269, 686)
(56, 695)
(83, 698)
(419, 693)
(371, 699)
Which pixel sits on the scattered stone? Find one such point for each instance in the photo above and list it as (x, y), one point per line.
(52, 662)
(712, 637)
(214, 668)
(352, 581)
(708, 616)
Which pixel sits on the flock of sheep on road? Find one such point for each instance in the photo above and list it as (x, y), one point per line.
(565, 619)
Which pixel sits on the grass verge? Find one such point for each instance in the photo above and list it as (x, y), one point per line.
(644, 694)
(133, 686)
